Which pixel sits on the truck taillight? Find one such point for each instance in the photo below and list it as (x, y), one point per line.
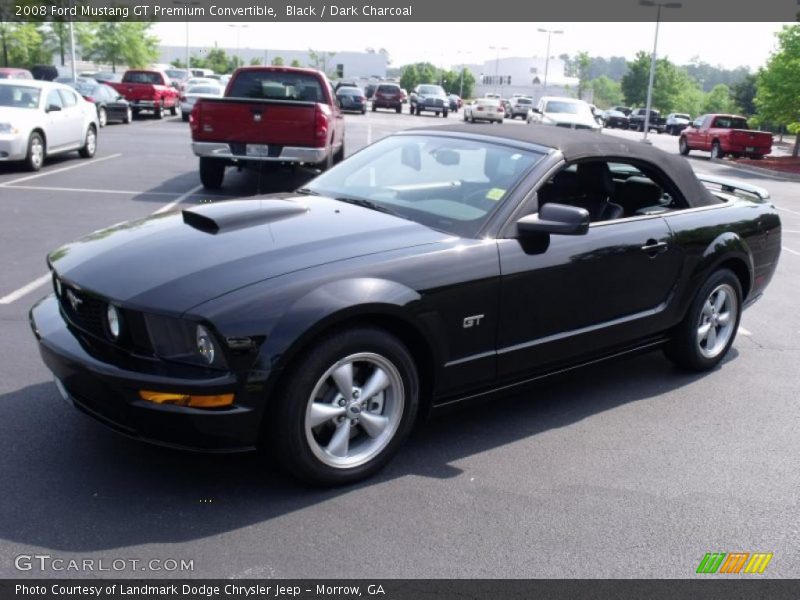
(321, 122)
(194, 117)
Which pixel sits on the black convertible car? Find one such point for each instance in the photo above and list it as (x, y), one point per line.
(436, 265)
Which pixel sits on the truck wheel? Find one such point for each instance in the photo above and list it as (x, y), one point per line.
(374, 108)
(128, 115)
(716, 151)
(683, 146)
(707, 331)
(212, 172)
(89, 144)
(339, 156)
(398, 108)
(346, 408)
(444, 114)
(174, 110)
(159, 112)
(34, 159)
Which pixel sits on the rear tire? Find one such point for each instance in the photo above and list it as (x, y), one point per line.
(102, 117)
(716, 151)
(212, 172)
(707, 331)
(174, 110)
(324, 430)
(444, 114)
(185, 118)
(339, 156)
(159, 112)
(90, 143)
(128, 115)
(398, 109)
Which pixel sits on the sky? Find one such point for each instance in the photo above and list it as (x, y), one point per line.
(727, 44)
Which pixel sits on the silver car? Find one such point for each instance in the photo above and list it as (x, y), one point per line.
(41, 118)
(190, 96)
(564, 112)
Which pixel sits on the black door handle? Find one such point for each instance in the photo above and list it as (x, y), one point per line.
(653, 247)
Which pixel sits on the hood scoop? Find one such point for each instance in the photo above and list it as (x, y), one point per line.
(219, 217)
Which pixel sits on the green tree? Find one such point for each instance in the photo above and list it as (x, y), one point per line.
(278, 61)
(295, 63)
(718, 100)
(256, 61)
(744, 94)
(217, 60)
(117, 43)
(778, 95)
(409, 78)
(634, 82)
(607, 92)
(582, 63)
(417, 73)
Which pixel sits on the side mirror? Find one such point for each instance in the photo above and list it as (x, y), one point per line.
(558, 219)
(53, 108)
(536, 110)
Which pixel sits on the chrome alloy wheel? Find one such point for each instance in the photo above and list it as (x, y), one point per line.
(717, 320)
(37, 152)
(355, 410)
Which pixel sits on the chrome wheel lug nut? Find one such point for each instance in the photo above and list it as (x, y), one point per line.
(342, 402)
(354, 422)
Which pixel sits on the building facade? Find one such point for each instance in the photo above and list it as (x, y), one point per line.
(522, 75)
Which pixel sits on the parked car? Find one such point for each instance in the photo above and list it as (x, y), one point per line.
(676, 122)
(484, 109)
(369, 91)
(148, 89)
(10, 73)
(625, 110)
(268, 114)
(387, 95)
(563, 112)
(110, 105)
(44, 72)
(656, 122)
(520, 107)
(454, 102)
(345, 83)
(352, 99)
(178, 77)
(40, 119)
(431, 98)
(195, 92)
(319, 325)
(76, 80)
(107, 77)
(725, 134)
(614, 119)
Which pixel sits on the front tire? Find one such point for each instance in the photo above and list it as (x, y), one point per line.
(34, 159)
(346, 409)
(159, 112)
(128, 116)
(212, 172)
(89, 144)
(716, 151)
(683, 147)
(707, 331)
(102, 117)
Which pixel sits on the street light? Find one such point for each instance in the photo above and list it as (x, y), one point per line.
(660, 5)
(187, 4)
(549, 33)
(497, 64)
(461, 85)
(238, 28)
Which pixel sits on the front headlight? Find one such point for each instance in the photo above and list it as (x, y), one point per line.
(184, 341)
(8, 128)
(113, 322)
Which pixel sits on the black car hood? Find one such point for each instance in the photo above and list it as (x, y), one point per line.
(174, 261)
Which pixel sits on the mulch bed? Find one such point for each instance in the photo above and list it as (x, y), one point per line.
(784, 164)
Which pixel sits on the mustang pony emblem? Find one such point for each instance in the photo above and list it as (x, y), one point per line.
(74, 301)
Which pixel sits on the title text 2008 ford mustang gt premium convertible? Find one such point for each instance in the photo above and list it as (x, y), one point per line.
(435, 265)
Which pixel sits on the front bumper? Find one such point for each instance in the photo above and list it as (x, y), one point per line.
(13, 147)
(110, 393)
(292, 154)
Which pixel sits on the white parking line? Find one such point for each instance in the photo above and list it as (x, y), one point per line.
(789, 231)
(93, 191)
(54, 171)
(369, 134)
(794, 212)
(744, 331)
(790, 251)
(25, 289)
(178, 200)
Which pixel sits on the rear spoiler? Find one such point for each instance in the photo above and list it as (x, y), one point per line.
(731, 186)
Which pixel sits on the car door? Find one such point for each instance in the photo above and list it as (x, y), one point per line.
(572, 297)
(74, 117)
(57, 127)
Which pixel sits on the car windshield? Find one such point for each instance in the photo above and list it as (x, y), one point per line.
(349, 91)
(277, 85)
(19, 96)
(570, 108)
(84, 89)
(205, 89)
(524, 101)
(448, 184)
(142, 77)
(389, 89)
(433, 90)
(176, 74)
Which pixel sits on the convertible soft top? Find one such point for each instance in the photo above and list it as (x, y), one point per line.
(579, 145)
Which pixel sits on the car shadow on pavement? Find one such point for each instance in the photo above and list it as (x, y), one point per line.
(72, 485)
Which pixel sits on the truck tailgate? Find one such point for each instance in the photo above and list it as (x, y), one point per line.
(754, 139)
(136, 91)
(242, 120)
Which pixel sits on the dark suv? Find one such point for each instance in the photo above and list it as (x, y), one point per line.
(387, 95)
(429, 97)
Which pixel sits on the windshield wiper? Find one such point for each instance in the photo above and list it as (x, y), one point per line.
(368, 204)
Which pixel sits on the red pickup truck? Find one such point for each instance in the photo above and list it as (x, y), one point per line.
(268, 114)
(148, 90)
(724, 134)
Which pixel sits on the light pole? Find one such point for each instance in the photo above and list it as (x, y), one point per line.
(497, 64)
(187, 4)
(461, 85)
(660, 5)
(549, 33)
(238, 28)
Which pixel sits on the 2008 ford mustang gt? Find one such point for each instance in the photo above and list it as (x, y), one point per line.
(435, 265)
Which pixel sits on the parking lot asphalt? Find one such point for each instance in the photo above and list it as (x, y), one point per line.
(626, 469)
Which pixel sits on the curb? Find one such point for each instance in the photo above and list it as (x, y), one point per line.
(758, 170)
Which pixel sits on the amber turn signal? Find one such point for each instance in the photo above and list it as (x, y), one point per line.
(187, 399)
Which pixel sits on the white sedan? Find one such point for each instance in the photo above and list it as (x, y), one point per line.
(484, 109)
(564, 112)
(190, 96)
(40, 118)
